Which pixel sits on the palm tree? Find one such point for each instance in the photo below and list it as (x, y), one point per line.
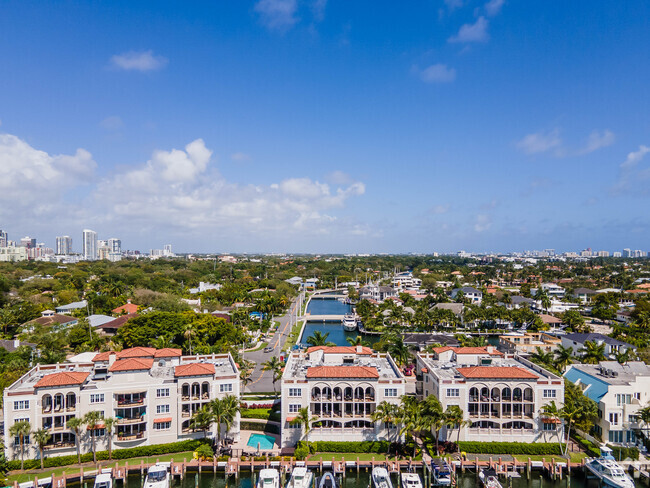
(592, 352)
(563, 357)
(387, 413)
(202, 420)
(231, 408)
(455, 419)
(568, 412)
(398, 350)
(551, 411)
(94, 421)
(75, 424)
(223, 411)
(625, 356)
(434, 417)
(41, 438)
(7, 319)
(319, 339)
(275, 366)
(541, 357)
(21, 430)
(411, 420)
(358, 341)
(543, 298)
(305, 420)
(109, 424)
(189, 332)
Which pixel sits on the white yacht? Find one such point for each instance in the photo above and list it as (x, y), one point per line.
(269, 478)
(157, 477)
(607, 470)
(381, 478)
(411, 480)
(328, 480)
(103, 480)
(441, 472)
(301, 478)
(349, 322)
(489, 478)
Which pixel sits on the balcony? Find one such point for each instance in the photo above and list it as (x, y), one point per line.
(59, 445)
(130, 437)
(131, 420)
(135, 402)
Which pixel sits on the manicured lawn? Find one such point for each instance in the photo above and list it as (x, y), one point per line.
(348, 456)
(576, 457)
(29, 475)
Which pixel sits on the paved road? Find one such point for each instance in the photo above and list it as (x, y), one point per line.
(262, 381)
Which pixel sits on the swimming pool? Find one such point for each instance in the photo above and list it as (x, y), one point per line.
(265, 441)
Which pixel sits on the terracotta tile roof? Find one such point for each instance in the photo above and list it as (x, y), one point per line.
(549, 319)
(468, 350)
(365, 351)
(194, 369)
(500, 372)
(342, 372)
(131, 364)
(136, 352)
(118, 322)
(161, 420)
(168, 352)
(56, 319)
(63, 378)
(102, 356)
(126, 308)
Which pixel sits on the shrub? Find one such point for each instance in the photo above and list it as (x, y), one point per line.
(205, 452)
(260, 427)
(343, 447)
(301, 452)
(509, 448)
(623, 453)
(255, 413)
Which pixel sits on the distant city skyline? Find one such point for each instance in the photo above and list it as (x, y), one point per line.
(328, 127)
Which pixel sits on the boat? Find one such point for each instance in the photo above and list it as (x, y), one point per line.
(441, 472)
(349, 322)
(608, 471)
(411, 480)
(269, 478)
(489, 478)
(157, 477)
(301, 478)
(381, 478)
(103, 480)
(328, 480)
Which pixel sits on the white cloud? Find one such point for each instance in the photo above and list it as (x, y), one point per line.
(540, 142)
(339, 178)
(598, 140)
(138, 61)
(635, 157)
(437, 73)
(483, 223)
(476, 32)
(112, 123)
(240, 157)
(633, 178)
(493, 7)
(440, 209)
(277, 14)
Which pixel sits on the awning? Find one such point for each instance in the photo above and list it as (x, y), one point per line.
(425, 370)
(96, 426)
(161, 420)
(549, 420)
(291, 419)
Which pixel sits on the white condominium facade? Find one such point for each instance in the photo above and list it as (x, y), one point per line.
(342, 387)
(89, 245)
(152, 394)
(501, 395)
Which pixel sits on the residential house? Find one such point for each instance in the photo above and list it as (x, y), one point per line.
(585, 295)
(127, 308)
(377, 293)
(71, 307)
(470, 293)
(612, 346)
(527, 343)
(49, 318)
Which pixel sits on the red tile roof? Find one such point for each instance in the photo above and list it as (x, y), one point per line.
(497, 372)
(118, 322)
(161, 420)
(365, 351)
(342, 372)
(468, 350)
(168, 352)
(194, 369)
(126, 308)
(102, 356)
(131, 364)
(63, 378)
(136, 352)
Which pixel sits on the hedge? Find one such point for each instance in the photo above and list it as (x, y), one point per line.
(623, 453)
(154, 450)
(372, 447)
(510, 448)
(261, 413)
(260, 427)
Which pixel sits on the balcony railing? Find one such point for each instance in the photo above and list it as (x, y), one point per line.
(59, 445)
(131, 420)
(130, 437)
(130, 403)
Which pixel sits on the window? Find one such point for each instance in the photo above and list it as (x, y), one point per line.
(295, 392)
(98, 433)
(615, 436)
(637, 396)
(226, 387)
(390, 392)
(293, 426)
(21, 405)
(613, 418)
(162, 392)
(623, 399)
(550, 393)
(25, 441)
(294, 407)
(97, 398)
(162, 426)
(548, 427)
(162, 408)
(453, 392)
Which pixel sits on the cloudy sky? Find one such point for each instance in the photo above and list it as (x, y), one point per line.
(327, 125)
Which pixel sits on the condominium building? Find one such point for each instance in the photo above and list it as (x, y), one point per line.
(63, 245)
(501, 395)
(151, 392)
(342, 387)
(4, 239)
(620, 390)
(528, 342)
(89, 245)
(12, 254)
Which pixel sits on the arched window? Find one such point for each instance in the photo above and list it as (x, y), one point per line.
(58, 402)
(473, 394)
(47, 403)
(205, 390)
(516, 394)
(485, 393)
(327, 393)
(370, 394)
(528, 394)
(496, 394)
(315, 393)
(338, 394)
(358, 393)
(348, 394)
(506, 394)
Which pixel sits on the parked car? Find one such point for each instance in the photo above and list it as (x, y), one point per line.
(268, 349)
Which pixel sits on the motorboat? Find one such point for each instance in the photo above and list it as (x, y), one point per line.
(157, 477)
(328, 480)
(489, 478)
(441, 472)
(269, 478)
(104, 480)
(607, 470)
(349, 322)
(301, 478)
(411, 480)
(381, 478)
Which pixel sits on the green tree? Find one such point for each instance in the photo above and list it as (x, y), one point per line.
(542, 357)
(552, 412)
(202, 420)
(357, 341)
(592, 352)
(109, 424)
(563, 357)
(75, 424)
(275, 366)
(224, 411)
(94, 421)
(305, 420)
(388, 413)
(454, 419)
(41, 438)
(319, 339)
(21, 429)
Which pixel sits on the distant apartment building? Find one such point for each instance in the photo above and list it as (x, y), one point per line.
(527, 343)
(89, 244)
(501, 395)
(114, 245)
(13, 254)
(405, 281)
(4, 238)
(63, 245)
(620, 390)
(151, 392)
(342, 387)
(28, 242)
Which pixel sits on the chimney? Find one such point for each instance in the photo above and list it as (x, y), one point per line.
(111, 359)
(359, 348)
(490, 349)
(128, 300)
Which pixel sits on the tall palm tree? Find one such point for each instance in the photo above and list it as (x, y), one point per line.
(231, 407)
(454, 418)
(542, 296)
(387, 413)
(434, 417)
(563, 357)
(21, 430)
(411, 419)
(357, 341)
(75, 424)
(398, 350)
(41, 438)
(202, 420)
(94, 421)
(189, 332)
(568, 412)
(109, 424)
(625, 356)
(223, 411)
(7, 319)
(592, 352)
(275, 366)
(304, 419)
(319, 339)
(551, 411)
(542, 357)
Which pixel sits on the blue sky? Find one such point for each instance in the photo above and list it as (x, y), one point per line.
(327, 126)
